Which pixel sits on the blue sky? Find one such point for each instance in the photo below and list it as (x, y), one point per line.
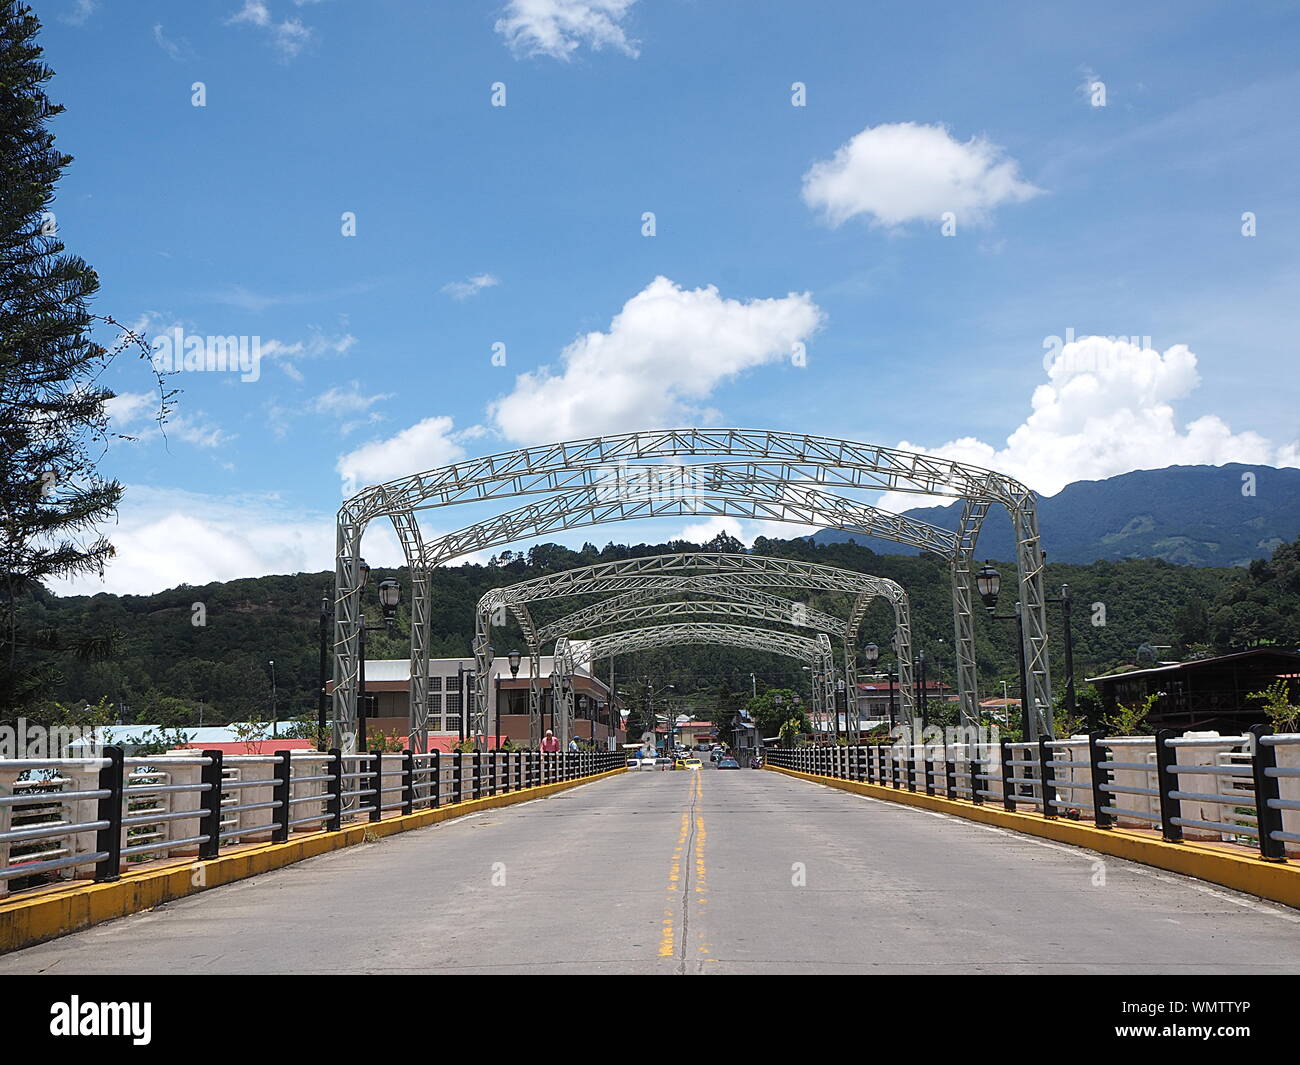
(775, 225)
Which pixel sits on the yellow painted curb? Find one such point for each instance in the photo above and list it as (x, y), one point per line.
(30, 920)
(1277, 881)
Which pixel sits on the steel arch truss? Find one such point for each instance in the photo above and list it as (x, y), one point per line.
(794, 467)
(816, 651)
(656, 576)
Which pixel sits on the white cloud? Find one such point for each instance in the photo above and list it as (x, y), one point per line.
(1107, 409)
(904, 172)
(462, 290)
(349, 400)
(422, 446)
(169, 537)
(557, 28)
(177, 50)
(80, 12)
(127, 409)
(289, 35)
(135, 414)
(665, 352)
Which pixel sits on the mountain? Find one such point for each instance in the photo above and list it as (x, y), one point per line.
(1188, 515)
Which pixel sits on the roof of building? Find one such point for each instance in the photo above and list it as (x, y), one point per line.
(884, 686)
(1200, 663)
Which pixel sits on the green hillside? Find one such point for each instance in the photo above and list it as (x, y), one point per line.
(162, 667)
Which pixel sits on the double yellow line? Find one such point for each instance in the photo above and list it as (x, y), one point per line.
(668, 931)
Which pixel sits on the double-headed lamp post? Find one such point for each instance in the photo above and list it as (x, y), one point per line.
(513, 657)
(390, 594)
(988, 583)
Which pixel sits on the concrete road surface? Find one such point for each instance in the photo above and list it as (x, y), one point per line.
(697, 872)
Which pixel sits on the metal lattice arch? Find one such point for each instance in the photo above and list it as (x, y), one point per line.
(745, 578)
(592, 480)
(816, 652)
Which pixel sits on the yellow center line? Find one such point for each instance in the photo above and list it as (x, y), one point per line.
(668, 937)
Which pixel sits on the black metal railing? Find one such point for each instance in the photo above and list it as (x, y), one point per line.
(95, 817)
(1232, 789)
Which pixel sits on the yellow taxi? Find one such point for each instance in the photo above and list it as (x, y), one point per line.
(688, 763)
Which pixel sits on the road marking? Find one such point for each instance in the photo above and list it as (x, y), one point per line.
(668, 936)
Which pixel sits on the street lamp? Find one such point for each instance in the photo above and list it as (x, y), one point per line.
(326, 622)
(390, 594)
(275, 716)
(513, 658)
(988, 582)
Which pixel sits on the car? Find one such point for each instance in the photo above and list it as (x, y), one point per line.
(690, 763)
(663, 763)
(727, 762)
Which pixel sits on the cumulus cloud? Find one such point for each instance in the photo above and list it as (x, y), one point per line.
(557, 28)
(168, 537)
(422, 446)
(1108, 407)
(904, 172)
(463, 290)
(664, 353)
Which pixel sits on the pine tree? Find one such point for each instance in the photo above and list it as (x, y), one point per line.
(53, 422)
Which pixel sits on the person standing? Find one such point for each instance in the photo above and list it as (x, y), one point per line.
(550, 743)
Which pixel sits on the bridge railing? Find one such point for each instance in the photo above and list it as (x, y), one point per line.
(94, 818)
(1197, 786)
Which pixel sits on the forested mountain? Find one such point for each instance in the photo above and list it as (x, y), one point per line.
(1191, 515)
(167, 667)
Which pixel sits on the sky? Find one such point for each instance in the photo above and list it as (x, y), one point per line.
(1057, 243)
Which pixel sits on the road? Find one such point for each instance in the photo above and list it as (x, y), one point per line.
(697, 872)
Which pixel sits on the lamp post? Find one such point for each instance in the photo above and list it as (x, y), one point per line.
(871, 655)
(988, 582)
(842, 703)
(493, 682)
(650, 696)
(390, 594)
(925, 699)
(326, 622)
(275, 717)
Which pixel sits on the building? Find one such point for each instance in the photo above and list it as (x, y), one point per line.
(388, 686)
(693, 733)
(1208, 694)
(1000, 710)
(874, 697)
